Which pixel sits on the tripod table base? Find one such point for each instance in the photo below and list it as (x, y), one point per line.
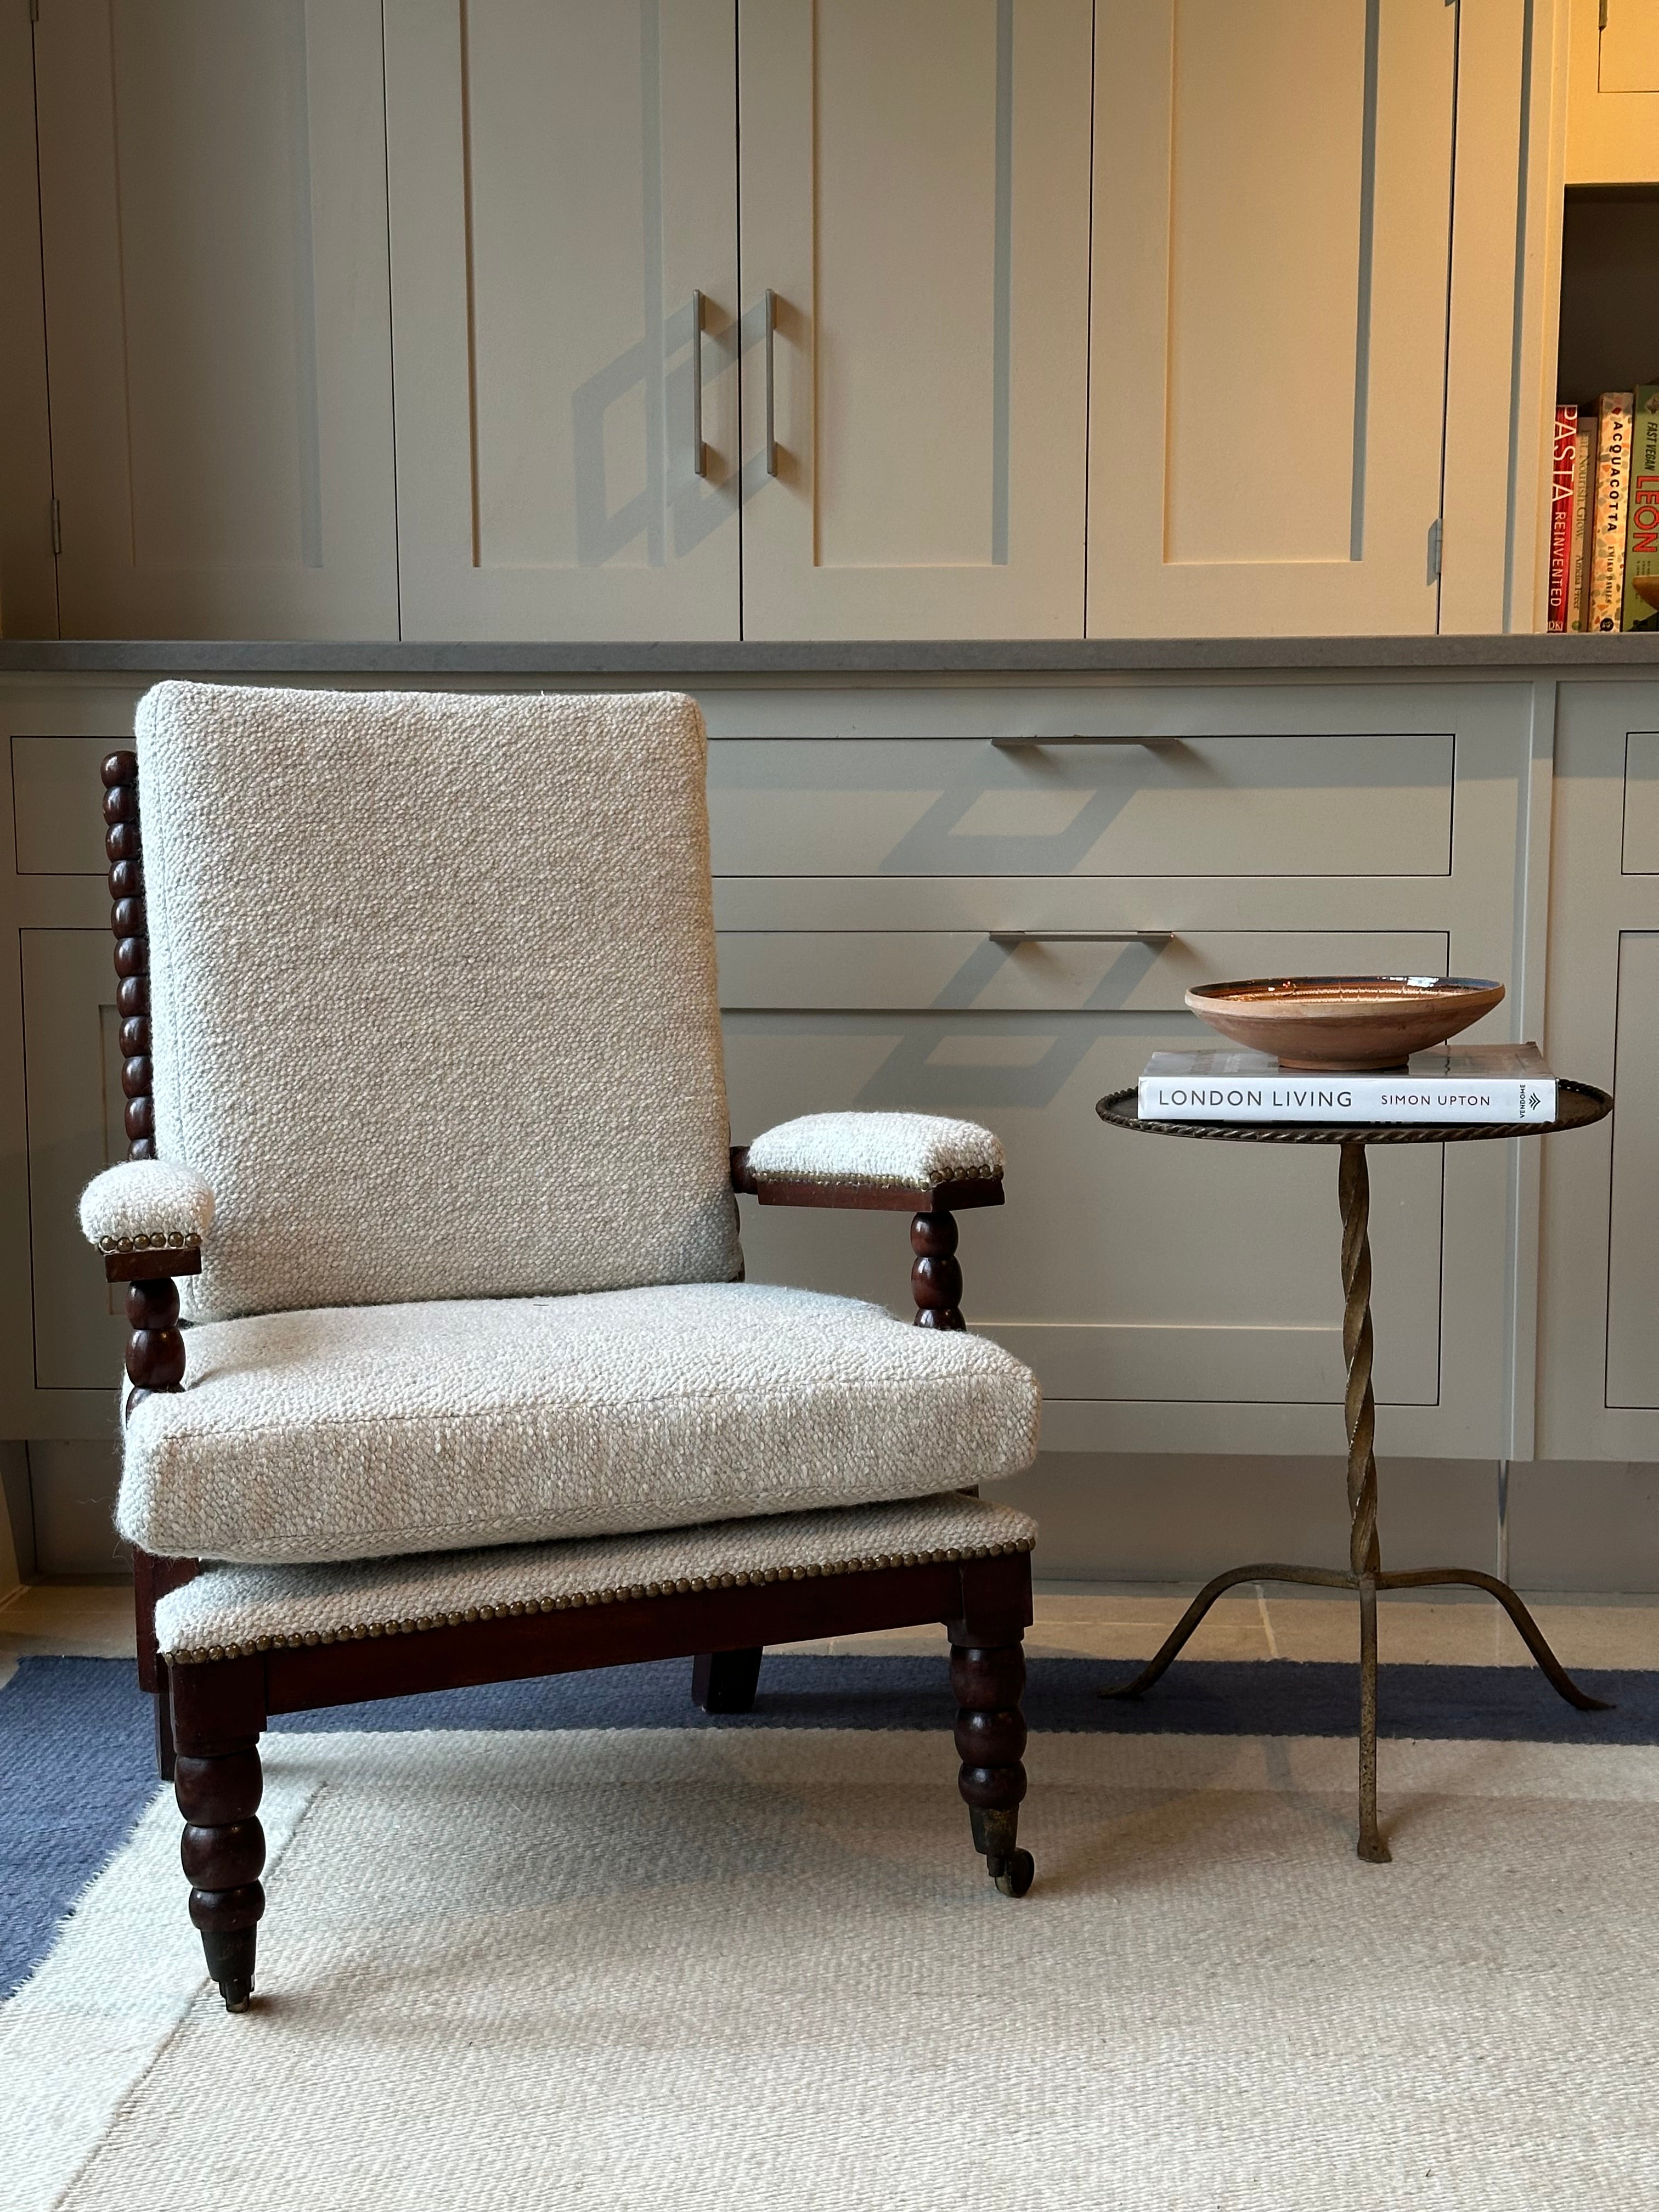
(1370, 1846)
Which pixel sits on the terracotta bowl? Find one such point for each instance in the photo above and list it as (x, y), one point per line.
(1328, 1023)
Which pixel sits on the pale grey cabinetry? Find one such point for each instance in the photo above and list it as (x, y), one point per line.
(213, 227)
(1170, 1296)
(62, 1121)
(564, 253)
(784, 319)
(569, 190)
(1270, 264)
(915, 199)
(1599, 1291)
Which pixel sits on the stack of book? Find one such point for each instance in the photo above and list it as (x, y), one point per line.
(1604, 515)
(1454, 1083)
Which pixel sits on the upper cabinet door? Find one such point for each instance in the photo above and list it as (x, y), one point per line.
(562, 189)
(213, 218)
(915, 191)
(1613, 92)
(1273, 200)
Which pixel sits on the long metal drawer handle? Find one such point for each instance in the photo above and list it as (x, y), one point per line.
(1020, 744)
(770, 323)
(699, 451)
(1081, 936)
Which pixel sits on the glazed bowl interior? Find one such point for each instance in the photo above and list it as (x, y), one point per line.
(1328, 1023)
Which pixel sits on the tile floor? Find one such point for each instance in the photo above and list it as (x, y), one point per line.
(1081, 1620)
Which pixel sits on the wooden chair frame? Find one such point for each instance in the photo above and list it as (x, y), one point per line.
(209, 1714)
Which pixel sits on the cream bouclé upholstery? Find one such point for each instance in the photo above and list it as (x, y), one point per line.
(144, 1202)
(230, 1610)
(434, 1021)
(905, 1151)
(432, 992)
(368, 1432)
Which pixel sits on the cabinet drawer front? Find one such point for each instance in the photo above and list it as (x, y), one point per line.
(1640, 855)
(1373, 804)
(1123, 1267)
(73, 1079)
(1632, 1372)
(59, 797)
(905, 970)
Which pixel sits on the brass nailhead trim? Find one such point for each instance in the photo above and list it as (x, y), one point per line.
(829, 1179)
(176, 1240)
(748, 1579)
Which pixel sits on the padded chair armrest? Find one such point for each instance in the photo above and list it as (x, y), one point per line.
(148, 1217)
(920, 1163)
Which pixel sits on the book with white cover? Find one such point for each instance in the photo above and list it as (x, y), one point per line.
(1468, 1082)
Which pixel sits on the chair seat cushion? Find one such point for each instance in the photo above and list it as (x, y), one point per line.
(366, 1431)
(229, 1611)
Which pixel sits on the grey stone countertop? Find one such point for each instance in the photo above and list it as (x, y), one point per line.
(1528, 654)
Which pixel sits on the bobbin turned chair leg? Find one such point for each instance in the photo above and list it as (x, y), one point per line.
(725, 1681)
(165, 1751)
(988, 1673)
(217, 1782)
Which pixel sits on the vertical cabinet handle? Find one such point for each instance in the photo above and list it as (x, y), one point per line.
(699, 451)
(770, 323)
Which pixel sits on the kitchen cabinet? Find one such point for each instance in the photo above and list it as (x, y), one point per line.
(564, 263)
(73, 1069)
(1599, 1283)
(790, 319)
(1613, 93)
(571, 197)
(1272, 197)
(217, 330)
(913, 179)
(922, 905)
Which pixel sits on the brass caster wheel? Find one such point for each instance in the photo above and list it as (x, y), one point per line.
(229, 1953)
(1015, 1874)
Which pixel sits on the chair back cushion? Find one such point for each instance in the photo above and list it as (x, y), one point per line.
(433, 1003)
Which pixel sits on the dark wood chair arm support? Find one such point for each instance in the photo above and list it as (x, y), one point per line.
(152, 1264)
(935, 1272)
(155, 1344)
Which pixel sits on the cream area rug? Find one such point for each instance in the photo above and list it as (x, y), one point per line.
(725, 1970)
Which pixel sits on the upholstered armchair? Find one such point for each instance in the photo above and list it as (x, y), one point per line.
(442, 1368)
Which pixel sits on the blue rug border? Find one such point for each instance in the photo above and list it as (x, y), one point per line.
(77, 1758)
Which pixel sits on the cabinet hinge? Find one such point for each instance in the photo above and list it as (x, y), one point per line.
(57, 528)
(1434, 551)
(1600, 14)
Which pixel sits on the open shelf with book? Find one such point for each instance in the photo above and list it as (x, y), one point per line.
(1604, 503)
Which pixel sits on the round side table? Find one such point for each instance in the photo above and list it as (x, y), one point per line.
(1578, 1105)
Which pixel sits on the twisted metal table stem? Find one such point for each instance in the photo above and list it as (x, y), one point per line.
(1353, 1189)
